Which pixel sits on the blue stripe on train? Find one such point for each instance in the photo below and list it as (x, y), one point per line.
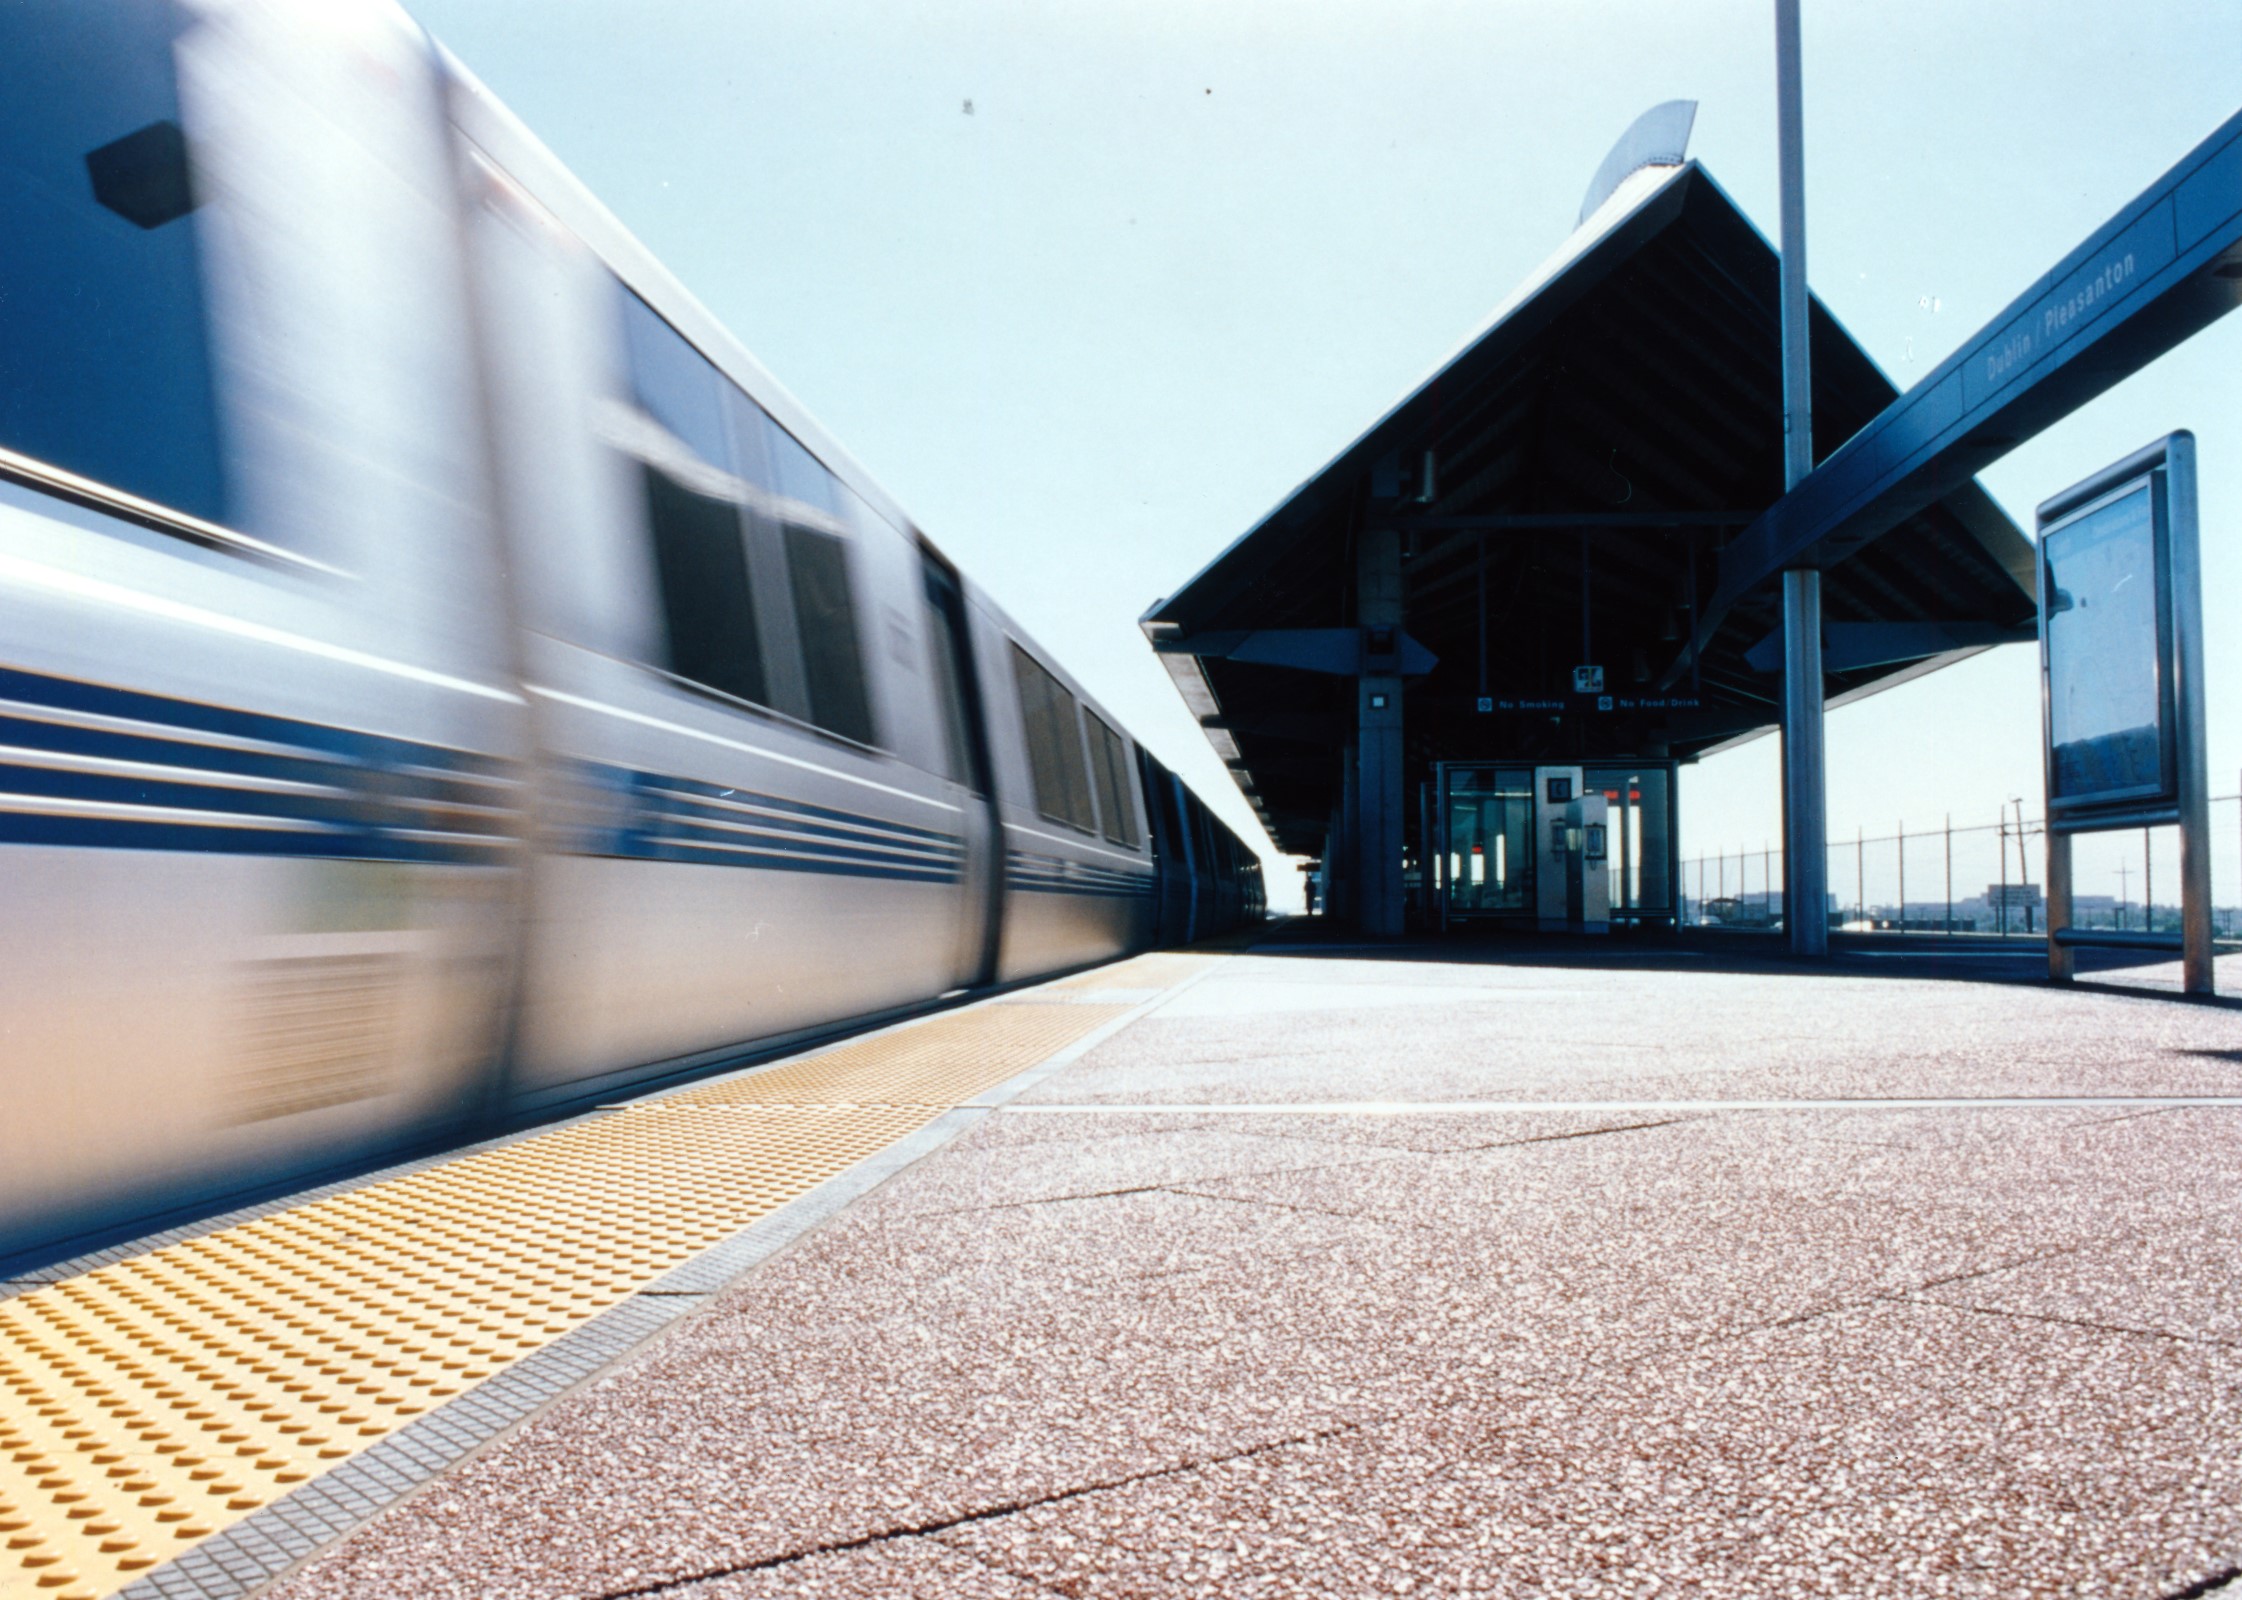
(384, 794)
(366, 796)
(1036, 873)
(348, 744)
(917, 841)
(666, 817)
(801, 808)
(123, 833)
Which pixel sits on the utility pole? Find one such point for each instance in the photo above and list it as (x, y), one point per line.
(2023, 861)
(1950, 874)
(2148, 884)
(1805, 802)
(2002, 924)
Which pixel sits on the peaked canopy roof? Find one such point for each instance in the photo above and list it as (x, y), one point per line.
(1623, 408)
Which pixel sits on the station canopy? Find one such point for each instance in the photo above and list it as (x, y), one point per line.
(1592, 450)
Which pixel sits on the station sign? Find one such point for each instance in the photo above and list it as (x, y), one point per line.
(1547, 705)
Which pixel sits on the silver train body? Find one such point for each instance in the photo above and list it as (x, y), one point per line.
(443, 679)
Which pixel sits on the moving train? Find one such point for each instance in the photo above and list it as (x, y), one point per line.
(444, 679)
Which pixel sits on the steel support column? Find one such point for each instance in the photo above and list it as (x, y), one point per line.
(1378, 788)
(1805, 802)
(2062, 962)
(1346, 863)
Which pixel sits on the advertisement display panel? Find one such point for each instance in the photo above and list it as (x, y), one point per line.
(2121, 687)
(2105, 593)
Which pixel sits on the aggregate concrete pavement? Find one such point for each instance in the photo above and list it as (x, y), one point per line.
(1293, 1288)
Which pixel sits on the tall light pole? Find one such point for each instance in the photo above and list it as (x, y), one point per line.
(1805, 803)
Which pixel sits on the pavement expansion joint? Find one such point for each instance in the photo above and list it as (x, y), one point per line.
(942, 1525)
(2087, 1323)
(2211, 1583)
(1262, 1202)
(158, 1399)
(1062, 1199)
(2009, 1265)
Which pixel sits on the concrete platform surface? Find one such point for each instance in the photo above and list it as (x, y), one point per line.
(1344, 1275)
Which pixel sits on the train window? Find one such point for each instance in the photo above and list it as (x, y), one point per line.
(693, 510)
(707, 603)
(1111, 760)
(105, 365)
(817, 568)
(674, 383)
(797, 475)
(797, 537)
(1054, 733)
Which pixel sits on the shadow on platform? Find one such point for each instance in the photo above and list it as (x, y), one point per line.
(1966, 958)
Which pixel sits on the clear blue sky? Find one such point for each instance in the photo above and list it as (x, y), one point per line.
(1176, 254)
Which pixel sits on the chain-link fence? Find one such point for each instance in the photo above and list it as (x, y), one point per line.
(1981, 878)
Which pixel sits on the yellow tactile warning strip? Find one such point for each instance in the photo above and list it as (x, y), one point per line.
(944, 1061)
(1157, 970)
(146, 1404)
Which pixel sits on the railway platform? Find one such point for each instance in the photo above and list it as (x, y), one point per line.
(1299, 1268)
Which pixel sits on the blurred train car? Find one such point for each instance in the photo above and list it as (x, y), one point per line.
(442, 677)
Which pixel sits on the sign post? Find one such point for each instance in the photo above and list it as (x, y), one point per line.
(2121, 687)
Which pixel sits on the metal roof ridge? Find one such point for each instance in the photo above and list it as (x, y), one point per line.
(1635, 192)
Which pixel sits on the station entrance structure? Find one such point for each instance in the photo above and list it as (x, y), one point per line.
(1502, 582)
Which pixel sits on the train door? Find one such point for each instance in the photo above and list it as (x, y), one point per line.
(1197, 911)
(1173, 875)
(966, 742)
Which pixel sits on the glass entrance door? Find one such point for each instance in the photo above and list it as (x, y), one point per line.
(1488, 829)
(1642, 853)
